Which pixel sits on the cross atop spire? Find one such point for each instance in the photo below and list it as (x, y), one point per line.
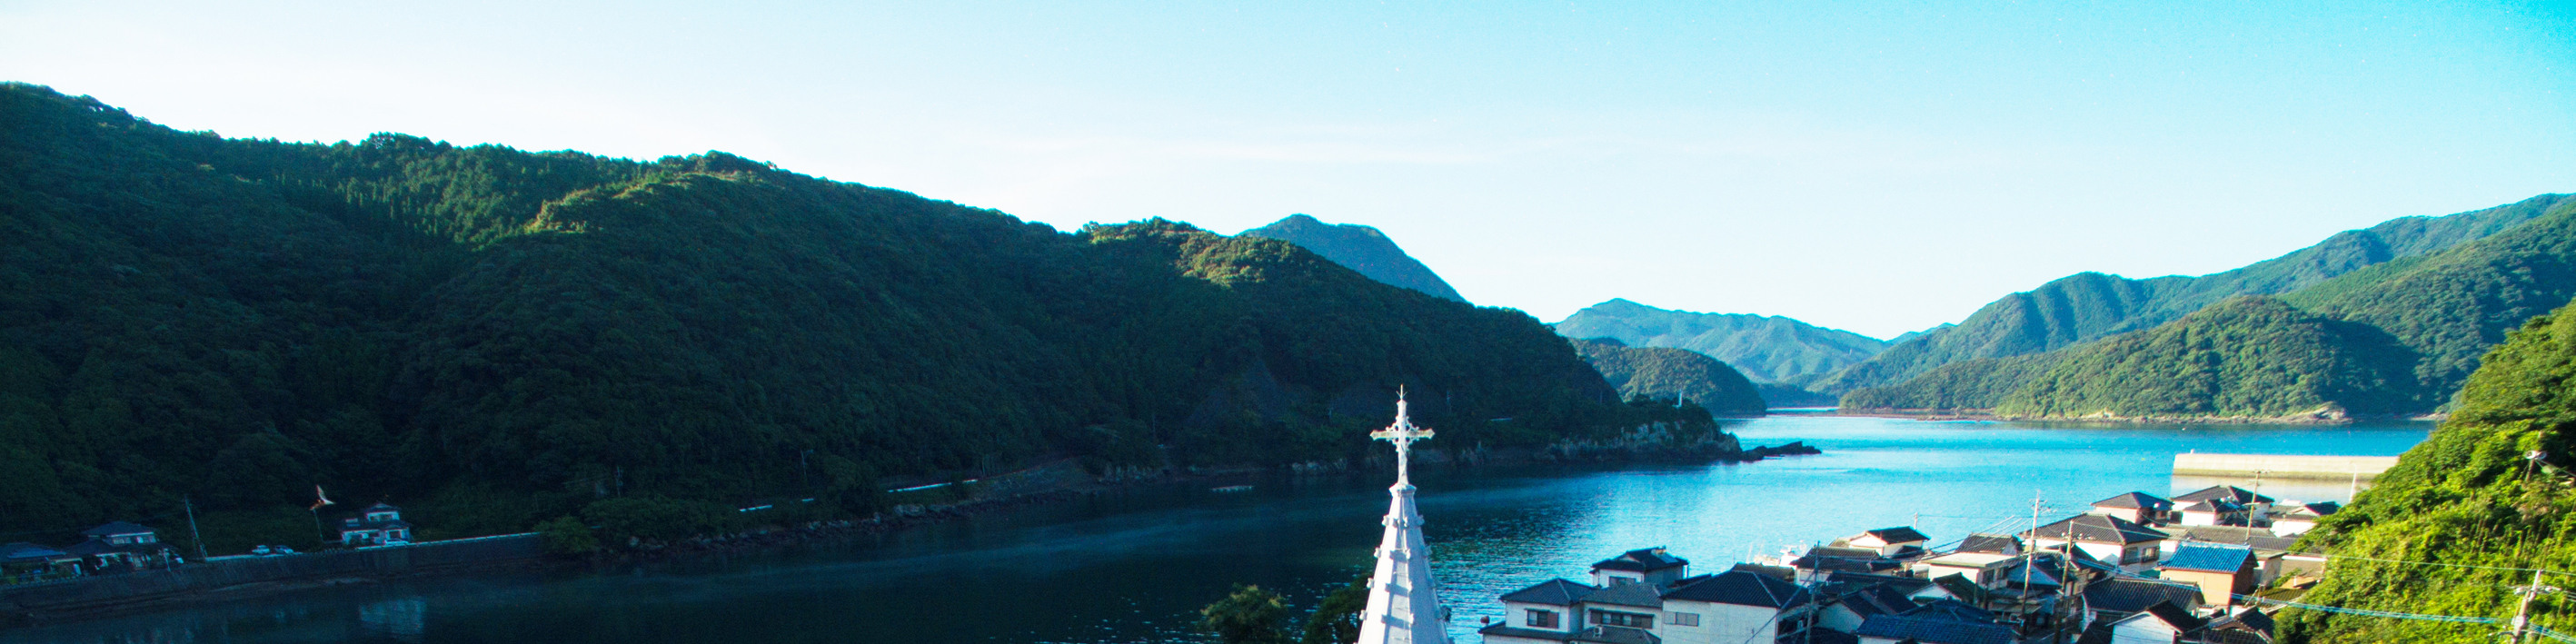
(1402, 434)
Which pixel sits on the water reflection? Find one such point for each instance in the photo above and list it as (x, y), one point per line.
(1134, 566)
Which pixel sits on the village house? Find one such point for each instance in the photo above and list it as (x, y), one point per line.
(1898, 542)
(2108, 539)
(2221, 572)
(1646, 597)
(2165, 623)
(2292, 520)
(28, 562)
(2137, 507)
(378, 525)
(2119, 597)
(2222, 505)
(119, 546)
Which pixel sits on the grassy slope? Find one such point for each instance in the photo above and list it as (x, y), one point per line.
(2465, 497)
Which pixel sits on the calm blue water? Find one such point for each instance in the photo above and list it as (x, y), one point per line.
(1135, 566)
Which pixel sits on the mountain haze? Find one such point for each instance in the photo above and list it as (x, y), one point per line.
(1764, 348)
(1362, 248)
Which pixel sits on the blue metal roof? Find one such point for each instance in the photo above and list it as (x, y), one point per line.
(2208, 558)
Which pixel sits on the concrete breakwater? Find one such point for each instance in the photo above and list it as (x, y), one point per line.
(96, 595)
(2285, 466)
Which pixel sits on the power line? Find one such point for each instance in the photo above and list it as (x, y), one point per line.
(2371, 613)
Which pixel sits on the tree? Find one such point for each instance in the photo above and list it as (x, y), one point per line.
(1249, 616)
(1337, 618)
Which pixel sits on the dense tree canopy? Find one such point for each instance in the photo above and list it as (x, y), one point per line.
(496, 337)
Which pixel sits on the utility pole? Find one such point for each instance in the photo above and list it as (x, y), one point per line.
(193, 537)
(2522, 612)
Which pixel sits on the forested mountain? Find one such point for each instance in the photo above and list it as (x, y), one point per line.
(2441, 310)
(1363, 249)
(1660, 372)
(2087, 306)
(493, 336)
(2486, 498)
(1765, 348)
(2251, 357)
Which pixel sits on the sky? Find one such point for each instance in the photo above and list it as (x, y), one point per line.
(1878, 167)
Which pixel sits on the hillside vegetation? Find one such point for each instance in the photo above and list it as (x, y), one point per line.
(1767, 349)
(2251, 356)
(494, 337)
(2088, 306)
(1362, 248)
(2471, 495)
(1660, 372)
(2442, 310)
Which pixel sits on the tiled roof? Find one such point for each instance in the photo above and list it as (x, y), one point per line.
(2228, 492)
(2025, 575)
(381, 506)
(1553, 592)
(2135, 501)
(1930, 630)
(1642, 595)
(2129, 595)
(1844, 582)
(1742, 589)
(28, 552)
(1783, 573)
(1641, 560)
(1992, 543)
(2213, 505)
(1962, 587)
(1954, 610)
(1616, 635)
(1877, 600)
(2208, 558)
(1506, 629)
(2095, 528)
(116, 528)
(2176, 616)
(1900, 534)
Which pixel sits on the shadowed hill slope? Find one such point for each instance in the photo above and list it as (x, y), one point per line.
(503, 336)
(1659, 372)
(1764, 348)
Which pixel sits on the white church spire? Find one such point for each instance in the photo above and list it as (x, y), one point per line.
(1403, 604)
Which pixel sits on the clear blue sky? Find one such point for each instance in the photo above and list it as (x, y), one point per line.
(1879, 167)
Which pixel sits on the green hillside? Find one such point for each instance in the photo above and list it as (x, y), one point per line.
(2466, 497)
(2251, 356)
(2454, 306)
(2088, 306)
(1659, 372)
(1765, 348)
(2445, 308)
(1362, 248)
(492, 336)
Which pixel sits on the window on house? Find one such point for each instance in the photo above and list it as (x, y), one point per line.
(1540, 618)
(1682, 619)
(1616, 618)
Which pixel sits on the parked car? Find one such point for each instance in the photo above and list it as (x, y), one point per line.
(261, 551)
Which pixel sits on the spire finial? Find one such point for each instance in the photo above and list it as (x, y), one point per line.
(1402, 434)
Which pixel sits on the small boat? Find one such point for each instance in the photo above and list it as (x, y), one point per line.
(1232, 488)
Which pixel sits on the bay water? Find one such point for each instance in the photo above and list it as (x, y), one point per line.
(1135, 565)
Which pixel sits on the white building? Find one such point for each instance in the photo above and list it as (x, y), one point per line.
(1726, 608)
(2107, 539)
(1404, 601)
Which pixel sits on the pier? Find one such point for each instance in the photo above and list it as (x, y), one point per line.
(2284, 466)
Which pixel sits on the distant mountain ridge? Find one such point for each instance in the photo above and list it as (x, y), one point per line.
(1361, 248)
(1766, 348)
(2088, 306)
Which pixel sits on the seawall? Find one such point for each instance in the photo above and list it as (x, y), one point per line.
(2337, 468)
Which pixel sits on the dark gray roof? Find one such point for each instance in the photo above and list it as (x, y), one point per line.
(2136, 501)
(1899, 534)
(381, 506)
(1954, 610)
(2213, 505)
(1508, 630)
(2246, 619)
(1783, 573)
(116, 528)
(1933, 630)
(1990, 543)
(2025, 575)
(28, 552)
(1962, 587)
(96, 546)
(2228, 492)
(2208, 558)
(1642, 595)
(2095, 528)
(1877, 600)
(1616, 635)
(1641, 560)
(1844, 582)
(2126, 595)
(2178, 617)
(1553, 592)
(1740, 588)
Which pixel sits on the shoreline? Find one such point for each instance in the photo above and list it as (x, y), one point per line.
(2292, 420)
